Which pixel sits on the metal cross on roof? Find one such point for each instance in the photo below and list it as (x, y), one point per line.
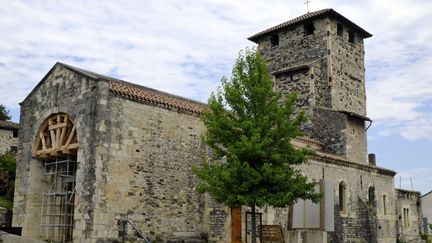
(307, 5)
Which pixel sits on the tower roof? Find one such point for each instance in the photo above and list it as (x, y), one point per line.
(310, 16)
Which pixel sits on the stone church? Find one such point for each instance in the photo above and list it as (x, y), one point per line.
(95, 152)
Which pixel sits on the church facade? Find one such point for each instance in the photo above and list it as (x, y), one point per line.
(96, 152)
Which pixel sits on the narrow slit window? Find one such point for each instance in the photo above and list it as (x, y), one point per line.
(385, 204)
(371, 195)
(351, 37)
(339, 30)
(342, 199)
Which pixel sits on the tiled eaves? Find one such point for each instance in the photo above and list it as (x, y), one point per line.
(344, 162)
(9, 125)
(156, 97)
(291, 69)
(310, 16)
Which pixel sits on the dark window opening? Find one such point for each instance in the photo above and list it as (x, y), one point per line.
(342, 197)
(274, 40)
(351, 37)
(385, 204)
(13, 149)
(15, 134)
(371, 195)
(309, 28)
(339, 30)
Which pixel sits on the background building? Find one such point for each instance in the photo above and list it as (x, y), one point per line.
(426, 202)
(8, 136)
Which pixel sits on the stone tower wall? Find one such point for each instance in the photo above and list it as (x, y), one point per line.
(348, 78)
(327, 73)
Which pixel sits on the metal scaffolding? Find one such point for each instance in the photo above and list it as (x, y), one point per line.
(58, 200)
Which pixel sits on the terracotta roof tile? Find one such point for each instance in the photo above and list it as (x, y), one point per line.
(9, 125)
(309, 16)
(155, 97)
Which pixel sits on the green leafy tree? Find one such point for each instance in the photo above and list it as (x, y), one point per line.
(7, 179)
(4, 113)
(249, 129)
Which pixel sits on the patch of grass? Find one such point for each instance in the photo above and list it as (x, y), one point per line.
(8, 204)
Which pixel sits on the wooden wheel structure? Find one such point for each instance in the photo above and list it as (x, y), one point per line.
(57, 137)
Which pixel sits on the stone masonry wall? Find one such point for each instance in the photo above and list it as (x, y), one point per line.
(362, 221)
(298, 82)
(7, 140)
(329, 127)
(409, 223)
(74, 94)
(294, 47)
(348, 78)
(144, 161)
(356, 147)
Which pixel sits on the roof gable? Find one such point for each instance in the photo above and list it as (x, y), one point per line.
(133, 91)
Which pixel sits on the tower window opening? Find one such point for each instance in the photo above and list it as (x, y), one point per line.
(385, 204)
(339, 30)
(309, 28)
(351, 37)
(274, 40)
(342, 199)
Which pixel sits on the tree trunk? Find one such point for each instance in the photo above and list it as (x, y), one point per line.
(253, 223)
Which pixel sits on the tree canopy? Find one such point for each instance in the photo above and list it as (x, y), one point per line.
(249, 129)
(4, 113)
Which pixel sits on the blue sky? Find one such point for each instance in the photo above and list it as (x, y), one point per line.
(185, 47)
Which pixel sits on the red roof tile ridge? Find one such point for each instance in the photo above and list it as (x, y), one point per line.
(308, 16)
(153, 96)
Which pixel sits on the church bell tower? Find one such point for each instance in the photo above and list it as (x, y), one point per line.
(320, 56)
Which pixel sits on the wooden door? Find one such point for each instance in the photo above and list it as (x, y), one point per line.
(236, 221)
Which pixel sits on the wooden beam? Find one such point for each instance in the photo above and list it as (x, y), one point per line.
(42, 138)
(53, 140)
(62, 136)
(71, 136)
(58, 125)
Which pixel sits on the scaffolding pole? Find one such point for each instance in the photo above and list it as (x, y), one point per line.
(57, 206)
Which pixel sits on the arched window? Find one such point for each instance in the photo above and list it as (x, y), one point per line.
(342, 197)
(371, 194)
